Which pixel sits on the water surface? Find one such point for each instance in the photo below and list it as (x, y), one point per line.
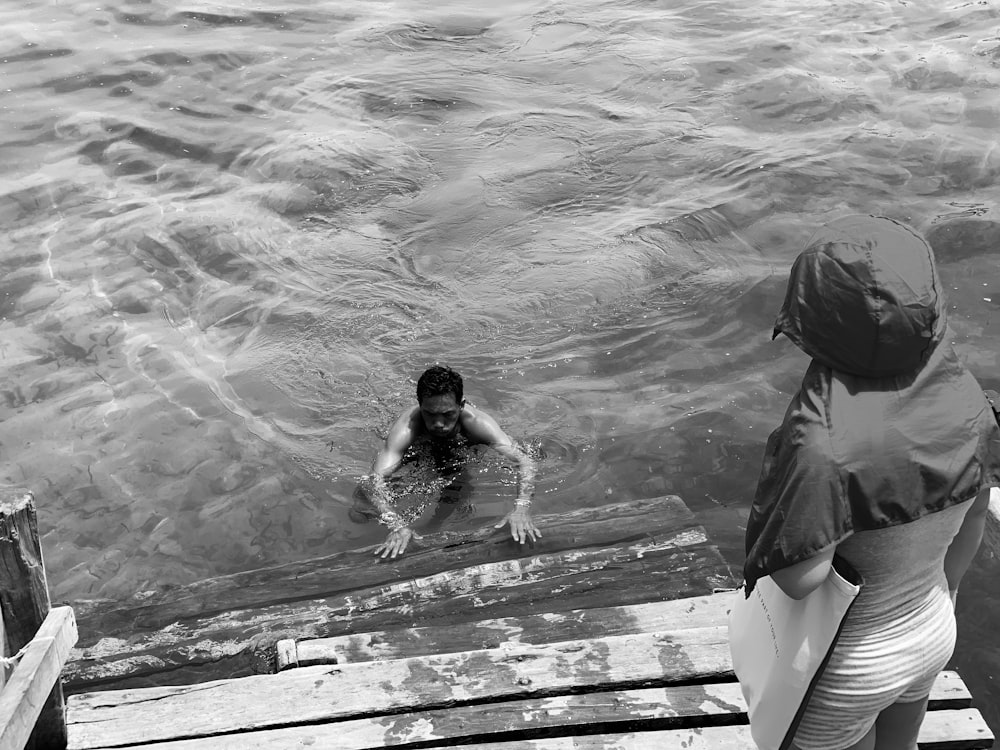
(235, 233)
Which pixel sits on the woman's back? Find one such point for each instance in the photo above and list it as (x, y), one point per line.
(878, 457)
(900, 631)
(903, 568)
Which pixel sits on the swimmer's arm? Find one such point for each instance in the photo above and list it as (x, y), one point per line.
(389, 458)
(802, 578)
(964, 546)
(522, 528)
(484, 429)
(400, 438)
(527, 469)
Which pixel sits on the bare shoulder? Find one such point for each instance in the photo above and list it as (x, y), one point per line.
(401, 436)
(480, 427)
(410, 415)
(405, 428)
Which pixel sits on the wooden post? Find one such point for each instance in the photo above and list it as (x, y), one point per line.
(37, 671)
(24, 600)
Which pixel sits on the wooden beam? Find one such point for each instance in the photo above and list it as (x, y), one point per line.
(352, 570)
(32, 680)
(548, 627)
(328, 693)
(241, 643)
(941, 730)
(672, 562)
(673, 713)
(24, 600)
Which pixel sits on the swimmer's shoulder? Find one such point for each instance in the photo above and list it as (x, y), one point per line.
(408, 425)
(478, 427)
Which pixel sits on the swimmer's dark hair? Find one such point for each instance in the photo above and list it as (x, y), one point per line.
(437, 381)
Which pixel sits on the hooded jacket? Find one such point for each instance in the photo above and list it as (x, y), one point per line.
(888, 424)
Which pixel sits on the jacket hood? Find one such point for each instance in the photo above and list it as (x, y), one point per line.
(864, 298)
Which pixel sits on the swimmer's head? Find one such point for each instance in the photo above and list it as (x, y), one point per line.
(439, 380)
(440, 394)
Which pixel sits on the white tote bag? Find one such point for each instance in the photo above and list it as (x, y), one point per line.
(780, 646)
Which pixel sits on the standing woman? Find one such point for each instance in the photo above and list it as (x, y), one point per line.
(884, 457)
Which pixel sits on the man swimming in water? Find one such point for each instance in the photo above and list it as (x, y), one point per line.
(444, 418)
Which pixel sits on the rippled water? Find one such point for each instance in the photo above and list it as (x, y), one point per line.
(234, 233)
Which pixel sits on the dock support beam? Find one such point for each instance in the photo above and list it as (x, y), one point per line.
(24, 601)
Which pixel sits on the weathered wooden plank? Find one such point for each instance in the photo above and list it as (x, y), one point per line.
(287, 656)
(941, 730)
(24, 593)
(324, 693)
(548, 627)
(991, 534)
(24, 600)
(660, 565)
(562, 715)
(37, 671)
(351, 570)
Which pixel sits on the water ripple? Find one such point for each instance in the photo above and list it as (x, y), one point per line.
(234, 235)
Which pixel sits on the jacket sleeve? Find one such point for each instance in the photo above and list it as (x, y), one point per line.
(800, 505)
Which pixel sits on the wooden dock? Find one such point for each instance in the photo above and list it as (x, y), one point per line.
(652, 675)
(609, 634)
(645, 550)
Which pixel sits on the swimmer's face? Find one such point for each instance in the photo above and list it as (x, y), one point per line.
(441, 414)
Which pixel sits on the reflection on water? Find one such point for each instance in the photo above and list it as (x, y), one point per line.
(234, 235)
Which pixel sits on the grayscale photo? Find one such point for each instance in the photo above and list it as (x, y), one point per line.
(540, 375)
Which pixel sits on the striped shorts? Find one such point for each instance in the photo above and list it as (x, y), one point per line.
(873, 668)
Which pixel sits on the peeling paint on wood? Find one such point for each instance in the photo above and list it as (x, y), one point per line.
(243, 640)
(342, 572)
(433, 691)
(484, 669)
(941, 730)
(326, 693)
(565, 716)
(548, 627)
(665, 564)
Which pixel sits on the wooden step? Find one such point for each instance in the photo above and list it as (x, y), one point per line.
(941, 730)
(352, 570)
(633, 552)
(491, 667)
(670, 715)
(547, 627)
(328, 693)
(661, 680)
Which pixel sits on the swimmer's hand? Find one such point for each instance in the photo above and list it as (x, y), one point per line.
(522, 528)
(396, 542)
